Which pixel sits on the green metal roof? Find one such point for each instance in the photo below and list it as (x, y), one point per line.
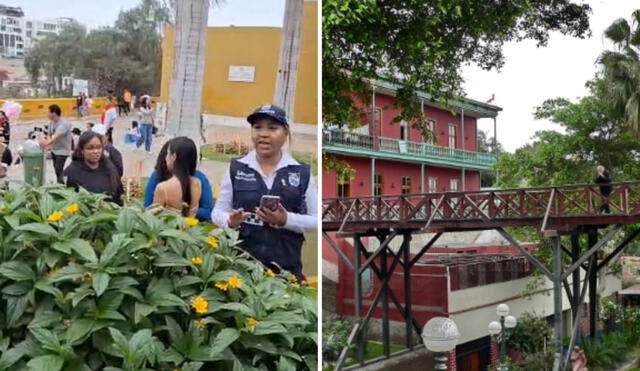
(482, 109)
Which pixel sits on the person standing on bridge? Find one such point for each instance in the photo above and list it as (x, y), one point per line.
(604, 177)
(269, 196)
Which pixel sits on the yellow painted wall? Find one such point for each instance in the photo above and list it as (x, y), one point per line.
(252, 46)
(39, 108)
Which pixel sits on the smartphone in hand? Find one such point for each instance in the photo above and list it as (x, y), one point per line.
(270, 202)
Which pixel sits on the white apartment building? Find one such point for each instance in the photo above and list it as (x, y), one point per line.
(19, 34)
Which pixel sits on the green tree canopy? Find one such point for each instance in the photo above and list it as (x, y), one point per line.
(621, 68)
(127, 55)
(424, 44)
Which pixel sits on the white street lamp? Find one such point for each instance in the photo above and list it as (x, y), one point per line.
(502, 310)
(498, 330)
(440, 335)
(494, 328)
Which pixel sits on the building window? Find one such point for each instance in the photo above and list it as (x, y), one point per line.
(344, 187)
(403, 130)
(453, 184)
(377, 185)
(452, 136)
(431, 126)
(29, 24)
(28, 33)
(406, 185)
(433, 184)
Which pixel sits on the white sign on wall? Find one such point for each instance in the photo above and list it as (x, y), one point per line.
(242, 73)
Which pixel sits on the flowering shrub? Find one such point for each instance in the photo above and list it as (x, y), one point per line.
(87, 285)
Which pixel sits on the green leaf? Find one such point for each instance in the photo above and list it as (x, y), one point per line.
(267, 327)
(46, 363)
(287, 318)
(47, 338)
(69, 272)
(16, 306)
(110, 301)
(118, 242)
(120, 342)
(178, 235)
(171, 260)
(18, 288)
(236, 307)
(121, 282)
(111, 314)
(62, 246)
(17, 271)
(286, 364)
(45, 318)
(192, 366)
(141, 341)
(83, 248)
(79, 328)
(44, 286)
(100, 282)
(80, 293)
(10, 357)
(44, 230)
(187, 281)
(125, 222)
(141, 311)
(223, 340)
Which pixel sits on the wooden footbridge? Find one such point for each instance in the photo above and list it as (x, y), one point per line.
(572, 211)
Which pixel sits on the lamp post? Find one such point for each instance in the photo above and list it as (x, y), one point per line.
(496, 331)
(440, 335)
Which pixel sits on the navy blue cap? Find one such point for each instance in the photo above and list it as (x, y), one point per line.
(271, 111)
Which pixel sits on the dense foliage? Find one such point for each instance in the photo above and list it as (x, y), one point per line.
(87, 285)
(621, 68)
(126, 55)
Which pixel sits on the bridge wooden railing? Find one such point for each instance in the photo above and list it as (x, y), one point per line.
(560, 207)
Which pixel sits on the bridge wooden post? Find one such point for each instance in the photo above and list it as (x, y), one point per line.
(575, 255)
(384, 267)
(557, 301)
(358, 299)
(593, 283)
(406, 250)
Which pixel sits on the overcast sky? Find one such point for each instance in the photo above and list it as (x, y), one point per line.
(531, 75)
(99, 13)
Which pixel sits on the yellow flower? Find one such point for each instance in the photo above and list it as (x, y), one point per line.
(55, 217)
(197, 260)
(73, 208)
(191, 222)
(294, 279)
(201, 323)
(235, 282)
(222, 285)
(251, 323)
(213, 242)
(270, 273)
(3, 208)
(200, 305)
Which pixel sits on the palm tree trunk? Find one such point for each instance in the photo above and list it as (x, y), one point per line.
(185, 90)
(289, 57)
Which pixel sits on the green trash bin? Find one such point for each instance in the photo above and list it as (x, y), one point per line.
(34, 165)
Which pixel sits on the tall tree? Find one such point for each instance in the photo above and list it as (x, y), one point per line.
(621, 68)
(424, 43)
